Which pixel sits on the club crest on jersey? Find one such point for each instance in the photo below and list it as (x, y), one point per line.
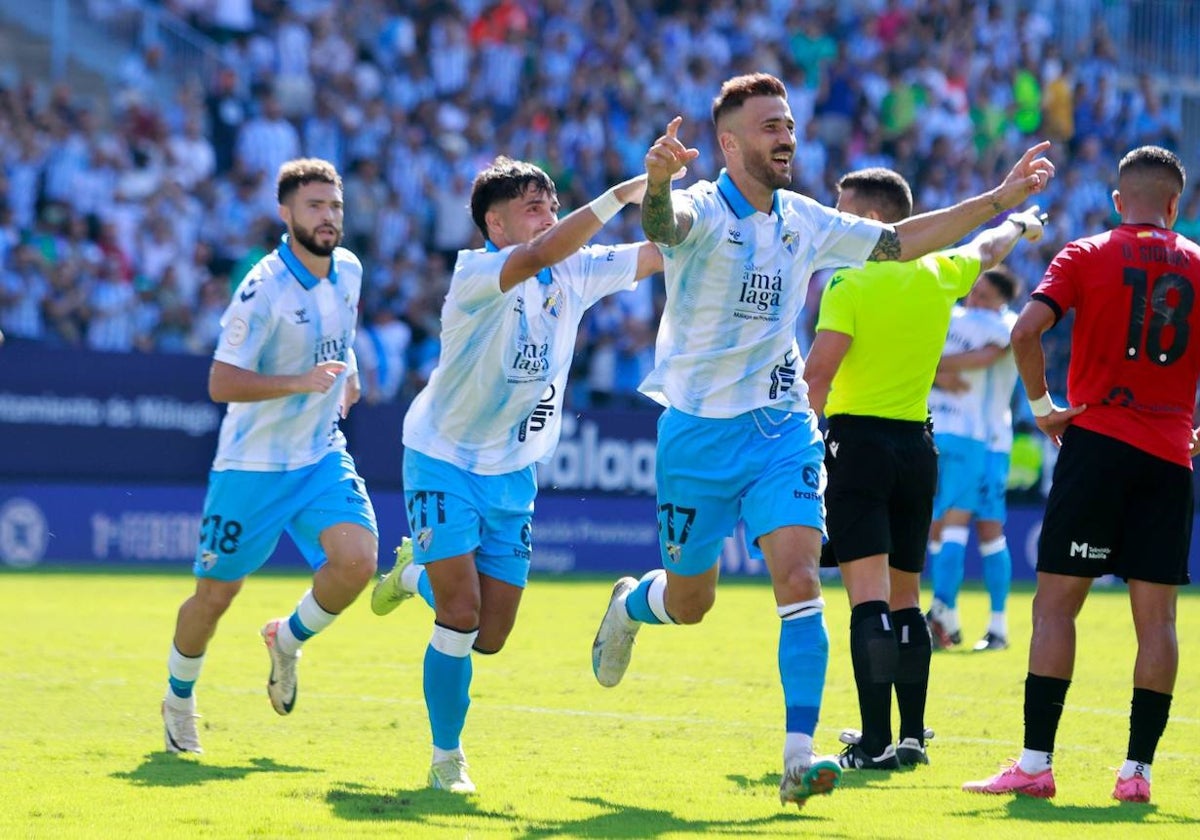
(551, 305)
(674, 552)
(791, 240)
(425, 538)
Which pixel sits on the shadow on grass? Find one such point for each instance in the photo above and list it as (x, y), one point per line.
(1028, 809)
(164, 769)
(424, 806)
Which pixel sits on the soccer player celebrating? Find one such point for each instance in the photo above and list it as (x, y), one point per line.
(1121, 499)
(737, 439)
(284, 365)
(879, 338)
(491, 410)
(972, 421)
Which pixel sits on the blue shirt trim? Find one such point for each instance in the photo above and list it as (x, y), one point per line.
(305, 277)
(543, 276)
(736, 201)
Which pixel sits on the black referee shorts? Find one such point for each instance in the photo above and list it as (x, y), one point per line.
(1116, 509)
(879, 499)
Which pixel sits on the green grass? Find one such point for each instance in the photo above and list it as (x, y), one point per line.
(688, 745)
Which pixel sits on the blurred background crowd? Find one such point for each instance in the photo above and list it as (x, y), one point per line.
(126, 218)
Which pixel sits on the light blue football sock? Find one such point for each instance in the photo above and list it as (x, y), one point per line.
(997, 576)
(637, 602)
(447, 684)
(803, 658)
(948, 573)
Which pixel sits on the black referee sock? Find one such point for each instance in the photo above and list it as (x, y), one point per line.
(912, 671)
(874, 653)
(1148, 714)
(1044, 698)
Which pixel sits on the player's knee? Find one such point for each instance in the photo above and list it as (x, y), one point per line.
(355, 568)
(215, 597)
(690, 609)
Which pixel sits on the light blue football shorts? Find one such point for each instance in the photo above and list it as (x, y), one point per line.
(960, 474)
(245, 513)
(765, 466)
(452, 511)
(993, 503)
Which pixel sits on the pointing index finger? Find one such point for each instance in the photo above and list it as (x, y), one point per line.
(673, 127)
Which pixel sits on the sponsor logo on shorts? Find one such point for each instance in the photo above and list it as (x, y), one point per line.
(833, 448)
(1088, 551)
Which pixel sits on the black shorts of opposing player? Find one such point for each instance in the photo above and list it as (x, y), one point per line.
(879, 499)
(1114, 509)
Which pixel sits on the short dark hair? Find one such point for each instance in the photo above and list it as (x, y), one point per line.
(737, 90)
(1005, 282)
(884, 190)
(294, 174)
(1151, 172)
(505, 180)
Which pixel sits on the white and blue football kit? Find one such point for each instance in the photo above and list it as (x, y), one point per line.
(281, 464)
(493, 406)
(738, 439)
(958, 417)
(727, 351)
(999, 385)
(962, 430)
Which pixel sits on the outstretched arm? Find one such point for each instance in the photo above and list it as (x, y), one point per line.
(666, 160)
(569, 234)
(918, 235)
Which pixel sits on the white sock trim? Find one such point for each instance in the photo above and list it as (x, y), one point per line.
(957, 534)
(312, 615)
(453, 642)
(410, 577)
(934, 546)
(800, 609)
(656, 595)
(993, 546)
(184, 668)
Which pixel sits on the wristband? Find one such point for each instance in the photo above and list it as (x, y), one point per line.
(606, 205)
(1042, 406)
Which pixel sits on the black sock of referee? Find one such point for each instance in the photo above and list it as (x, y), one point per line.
(1148, 714)
(1044, 699)
(873, 653)
(912, 671)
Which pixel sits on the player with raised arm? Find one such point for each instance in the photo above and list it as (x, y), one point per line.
(1121, 499)
(284, 365)
(879, 338)
(491, 410)
(737, 438)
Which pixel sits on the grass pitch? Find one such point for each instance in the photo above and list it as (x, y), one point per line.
(688, 745)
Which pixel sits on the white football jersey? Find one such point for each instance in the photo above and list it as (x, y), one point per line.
(282, 321)
(961, 413)
(494, 402)
(735, 289)
(999, 384)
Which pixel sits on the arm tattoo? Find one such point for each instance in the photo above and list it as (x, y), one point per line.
(887, 248)
(658, 216)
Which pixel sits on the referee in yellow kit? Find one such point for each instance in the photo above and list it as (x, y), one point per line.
(880, 334)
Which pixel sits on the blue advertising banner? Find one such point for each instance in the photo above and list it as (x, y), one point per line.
(158, 526)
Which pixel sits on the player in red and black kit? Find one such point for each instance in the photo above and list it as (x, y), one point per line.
(1121, 502)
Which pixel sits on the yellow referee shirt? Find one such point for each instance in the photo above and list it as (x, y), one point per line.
(898, 314)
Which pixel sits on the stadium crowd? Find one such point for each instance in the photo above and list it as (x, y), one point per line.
(124, 225)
